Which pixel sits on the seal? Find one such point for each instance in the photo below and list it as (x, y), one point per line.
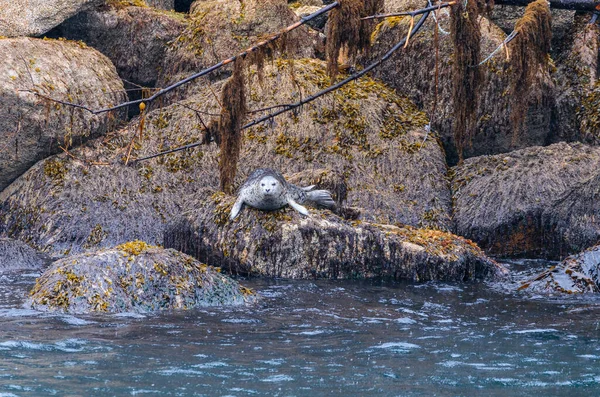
(266, 189)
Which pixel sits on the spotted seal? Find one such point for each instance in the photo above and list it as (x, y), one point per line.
(267, 189)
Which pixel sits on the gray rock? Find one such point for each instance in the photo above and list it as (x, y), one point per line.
(577, 274)
(134, 38)
(133, 277)
(562, 21)
(16, 255)
(536, 202)
(31, 127)
(369, 142)
(317, 23)
(283, 243)
(162, 4)
(412, 72)
(36, 17)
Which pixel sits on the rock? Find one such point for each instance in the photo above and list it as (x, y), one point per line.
(162, 4)
(36, 17)
(412, 72)
(304, 11)
(371, 141)
(133, 277)
(286, 244)
(577, 80)
(31, 127)
(134, 38)
(16, 255)
(577, 274)
(506, 17)
(537, 202)
(219, 29)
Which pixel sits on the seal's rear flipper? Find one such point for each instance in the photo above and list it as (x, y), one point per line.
(297, 207)
(237, 207)
(321, 197)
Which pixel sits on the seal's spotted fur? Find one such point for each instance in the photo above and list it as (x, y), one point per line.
(267, 189)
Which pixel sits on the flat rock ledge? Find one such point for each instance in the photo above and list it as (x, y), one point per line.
(133, 277)
(577, 274)
(285, 244)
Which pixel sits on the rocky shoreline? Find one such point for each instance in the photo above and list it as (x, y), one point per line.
(71, 192)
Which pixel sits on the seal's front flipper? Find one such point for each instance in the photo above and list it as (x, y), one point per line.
(308, 188)
(297, 207)
(237, 207)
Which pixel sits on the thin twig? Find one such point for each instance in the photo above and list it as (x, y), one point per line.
(311, 98)
(206, 71)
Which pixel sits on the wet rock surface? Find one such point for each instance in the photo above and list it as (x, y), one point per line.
(133, 277)
(32, 127)
(285, 244)
(535, 202)
(16, 255)
(577, 274)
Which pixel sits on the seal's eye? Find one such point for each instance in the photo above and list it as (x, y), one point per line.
(273, 184)
(262, 184)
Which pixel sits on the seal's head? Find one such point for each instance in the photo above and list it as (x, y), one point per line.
(270, 186)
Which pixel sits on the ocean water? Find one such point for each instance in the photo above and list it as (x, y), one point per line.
(311, 338)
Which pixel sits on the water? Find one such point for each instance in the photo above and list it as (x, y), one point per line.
(311, 338)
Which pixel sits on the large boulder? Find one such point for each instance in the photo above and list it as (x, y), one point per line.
(535, 202)
(36, 17)
(33, 127)
(133, 277)
(577, 274)
(412, 72)
(16, 255)
(134, 38)
(219, 29)
(284, 243)
(370, 142)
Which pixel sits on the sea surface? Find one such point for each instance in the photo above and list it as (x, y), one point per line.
(312, 338)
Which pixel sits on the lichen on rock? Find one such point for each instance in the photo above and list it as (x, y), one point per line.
(133, 277)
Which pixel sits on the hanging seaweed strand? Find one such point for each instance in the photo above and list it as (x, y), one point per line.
(347, 33)
(466, 38)
(233, 112)
(528, 51)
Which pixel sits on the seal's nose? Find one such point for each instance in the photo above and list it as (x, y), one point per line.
(267, 190)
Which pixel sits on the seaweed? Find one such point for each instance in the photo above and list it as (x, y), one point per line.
(233, 112)
(466, 38)
(529, 50)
